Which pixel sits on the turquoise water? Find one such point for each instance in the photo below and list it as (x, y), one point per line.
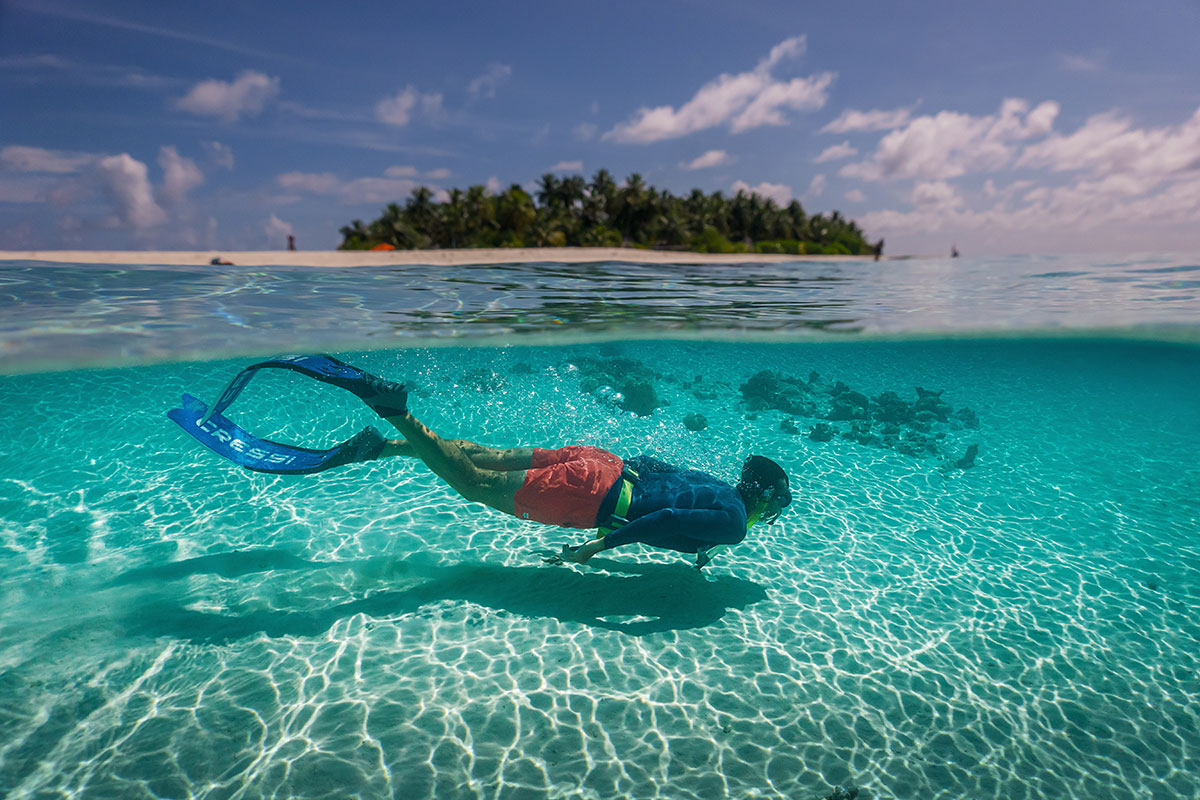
(174, 626)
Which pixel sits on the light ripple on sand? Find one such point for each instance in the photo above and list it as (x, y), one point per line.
(1020, 630)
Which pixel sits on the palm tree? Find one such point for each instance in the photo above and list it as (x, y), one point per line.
(547, 193)
(570, 210)
(604, 190)
(354, 236)
(421, 214)
(796, 220)
(571, 192)
(739, 216)
(631, 210)
(515, 213)
(454, 219)
(481, 216)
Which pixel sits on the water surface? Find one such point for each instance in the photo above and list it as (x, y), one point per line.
(64, 315)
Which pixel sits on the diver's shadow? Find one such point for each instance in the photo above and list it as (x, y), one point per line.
(660, 597)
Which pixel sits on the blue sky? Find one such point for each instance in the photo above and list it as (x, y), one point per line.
(1019, 127)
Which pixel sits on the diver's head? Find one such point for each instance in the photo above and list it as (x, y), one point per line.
(764, 488)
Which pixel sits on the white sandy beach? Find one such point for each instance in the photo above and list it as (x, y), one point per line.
(361, 258)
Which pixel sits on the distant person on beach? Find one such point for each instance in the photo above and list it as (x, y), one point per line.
(640, 499)
(291, 242)
(878, 249)
(953, 251)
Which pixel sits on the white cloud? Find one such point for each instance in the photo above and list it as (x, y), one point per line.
(792, 47)
(1106, 214)
(44, 61)
(855, 196)
(397, 110)
(377, 190)
(38, 69)
(309, 112)
(277, 231)
(835, 152)
(36, 159)
(219, 154)
(439, 174)
(487, 83)
(123, 179)
(1131, 188)
(248, 94)
(1107, 144)
(24, 190)
(743, 101)
(781, 194)
(1073, 62)
(493, 185)
(74, 185)
(816, 187)
(712, 158)
(315, 182)
(585, 131)
(568, 166)
(877, 120)
(388, 189)
(401, 109)
(935, 193)
(180, 176)
(950, 144)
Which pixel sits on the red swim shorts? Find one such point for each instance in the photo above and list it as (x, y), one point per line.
(566, 486)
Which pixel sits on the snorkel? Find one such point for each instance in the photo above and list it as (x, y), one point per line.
(754, 515)
(767, 512)
(759, 511)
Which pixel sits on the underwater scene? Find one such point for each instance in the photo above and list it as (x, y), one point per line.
(986, 584)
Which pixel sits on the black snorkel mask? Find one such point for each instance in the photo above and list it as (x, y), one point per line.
(765, 487)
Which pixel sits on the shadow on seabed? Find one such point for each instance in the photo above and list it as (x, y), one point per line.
(661, 597)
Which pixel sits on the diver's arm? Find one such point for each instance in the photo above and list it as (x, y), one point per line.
(704, 526)
(705, 555)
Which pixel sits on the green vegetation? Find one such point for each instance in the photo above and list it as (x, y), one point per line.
(571, 212)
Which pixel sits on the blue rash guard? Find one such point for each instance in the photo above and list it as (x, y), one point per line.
(677, 509)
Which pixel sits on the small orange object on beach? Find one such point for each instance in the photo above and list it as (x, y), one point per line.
(384, 246)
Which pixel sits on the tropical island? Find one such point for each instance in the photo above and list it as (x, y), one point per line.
(569, 211)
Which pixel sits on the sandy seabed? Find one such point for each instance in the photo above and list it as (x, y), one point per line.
(363, 258)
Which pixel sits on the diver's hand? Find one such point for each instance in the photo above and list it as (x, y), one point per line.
(568, 553)
(702, 559)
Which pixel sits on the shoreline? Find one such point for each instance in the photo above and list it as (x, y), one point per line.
(367, 258)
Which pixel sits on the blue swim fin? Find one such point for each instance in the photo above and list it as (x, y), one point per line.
(225, 438)
(386, 398)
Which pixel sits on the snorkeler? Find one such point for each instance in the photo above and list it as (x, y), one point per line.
(637, 500)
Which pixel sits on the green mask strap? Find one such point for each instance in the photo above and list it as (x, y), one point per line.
(753, 518)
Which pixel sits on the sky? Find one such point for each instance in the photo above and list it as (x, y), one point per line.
(1021, 127)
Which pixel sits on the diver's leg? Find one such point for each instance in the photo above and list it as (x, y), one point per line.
(451, 463)
(502, 459)
(397, 447)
